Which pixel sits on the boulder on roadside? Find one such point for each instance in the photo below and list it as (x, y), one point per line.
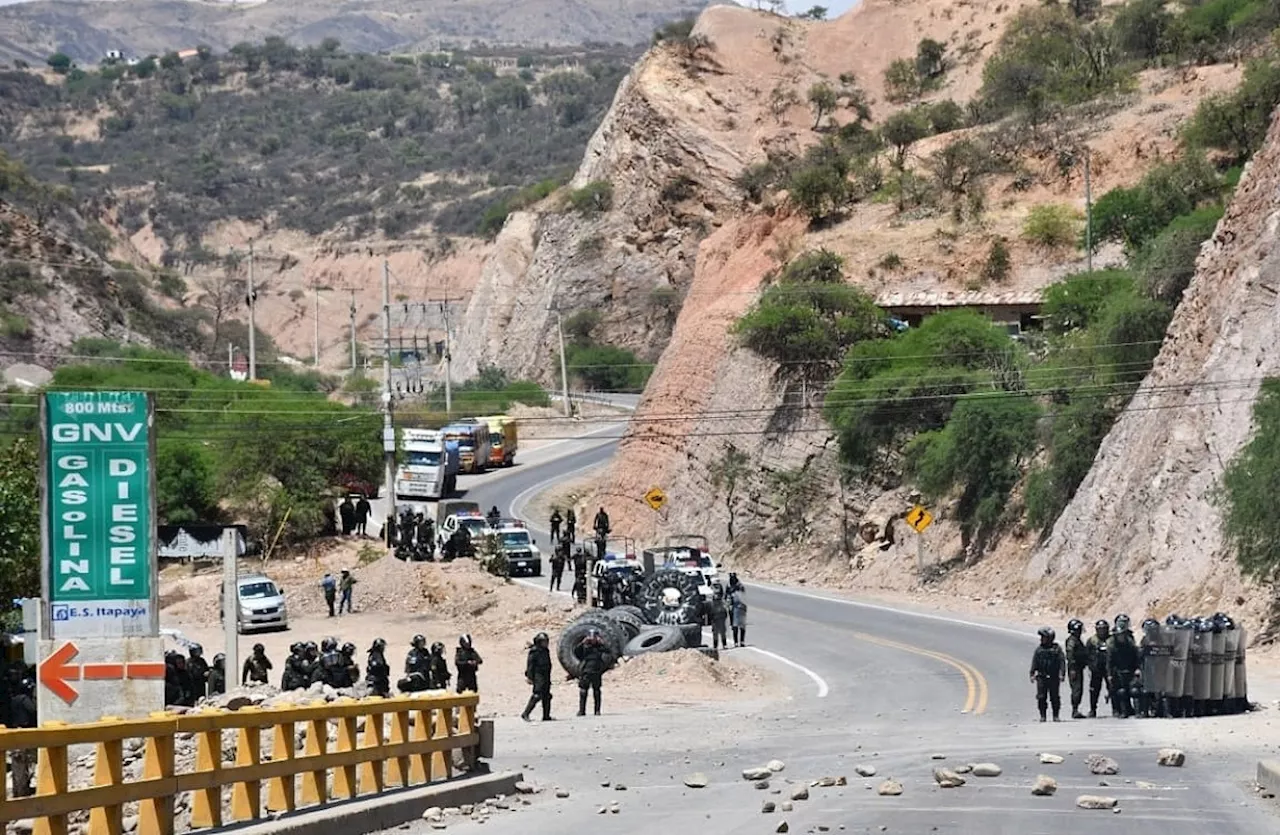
(864, 770)
(783, 827)
(1096, 801)
(767, 807)
(1171, 757)
(526, 788)
(433, 813)
(758, 773)
(562, 793)
(800, 793)
(775, 766)
(762, 784)
(1050, 759)
(787, 806)
(947, 779)
(1098, 764)
(697, 780)
(890, 788)
(1045, 786)
(986, 770)
(963, 769)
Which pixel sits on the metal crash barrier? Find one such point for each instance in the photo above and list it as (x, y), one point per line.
(404, 742)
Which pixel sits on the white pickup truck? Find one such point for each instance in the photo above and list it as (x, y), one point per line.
(689, 554)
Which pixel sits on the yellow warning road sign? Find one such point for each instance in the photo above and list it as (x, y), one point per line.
(919, 518)
(655, 498)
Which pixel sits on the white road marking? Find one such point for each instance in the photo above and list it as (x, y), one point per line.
(817, 679)
(881, 608)
(522, 498)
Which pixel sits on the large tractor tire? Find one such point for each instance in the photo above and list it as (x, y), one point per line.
(615, 636)
(631, 624)
(692, 634)
(569, 647)
(655, 639)
(671, 598)
(627, 607)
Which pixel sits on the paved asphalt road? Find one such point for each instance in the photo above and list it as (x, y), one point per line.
(870, 684)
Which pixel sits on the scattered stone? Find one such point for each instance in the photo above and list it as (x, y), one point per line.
(525, 788)
(619, 788)
(762, 784)
(937, 756)
(433, 813)
(697, 780)
(466, 809)
(890, 788)
(962, 769)
(823, 828)
(603, 810)
(767, 807)
(800, 793)
(986, 770)
(775, 766)
(865, 771)
(129, 823)
(787, 806)
(605, 784)
(562, 793)
(783, 827)
(947, 779)
(1045, 786)
(1050, 759)
(439, 825)
(1099, 764)
(1171, 757)
(1096, 801)
(756, 774)
(614, 808)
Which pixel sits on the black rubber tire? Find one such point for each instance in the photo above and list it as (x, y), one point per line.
(688, 611)
(614, 635)
(635, 610)
(692, 633)
(630, 624)
(655, 639)
(570, 640)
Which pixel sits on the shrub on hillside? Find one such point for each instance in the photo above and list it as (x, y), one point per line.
(1052, 226)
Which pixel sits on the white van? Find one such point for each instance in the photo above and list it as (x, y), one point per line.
(260, 604)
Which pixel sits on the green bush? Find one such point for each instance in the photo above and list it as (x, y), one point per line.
(1077, 301)
(1052, 226)
(1166, 264)
(998, 264)
(1135, 215)
(1250, 491)
(186, 489)
(607, 368)
(1237, 122)
(1078, 428)
(593, 198)
(19, 520)
(821, 191)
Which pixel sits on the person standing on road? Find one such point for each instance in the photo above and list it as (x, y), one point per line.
(346, 584)
(1048, 668)
(719, 617)
(440, 675)
(347, 513)
(468, 662)
(1123, 660)
(580, 575)
(1077, 660)
(198, 670)
(426, 537)
(377, 670)
(494, 516)
(570, 525)
(537, 672)
(363, 511)
(291, 678)
(556, 519)
(558, 557)
(596, 658)
(218, 676)
(350, 669)
(256, 667)
(330, 588)
(738, 616)
(1097, 649)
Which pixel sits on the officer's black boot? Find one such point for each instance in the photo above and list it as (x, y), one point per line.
(582, 702)
(743, 632)
(1043, 717)
(528, 709)
(546, 708)
(596, 703)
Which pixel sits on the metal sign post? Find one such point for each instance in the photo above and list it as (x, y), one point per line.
(231, 603)
(98, 567)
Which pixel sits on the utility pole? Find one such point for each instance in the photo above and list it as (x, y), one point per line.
(231, 358)
(448, 360)
(388, 427)
(231, 601)
(253, 298)
(564, 367)
(353, 330)
(315, 326)
(1088, 215)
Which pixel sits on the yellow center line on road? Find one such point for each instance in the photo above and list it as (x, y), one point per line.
(975, 682)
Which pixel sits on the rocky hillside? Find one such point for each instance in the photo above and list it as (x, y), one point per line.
(755, 452)
(87, 30)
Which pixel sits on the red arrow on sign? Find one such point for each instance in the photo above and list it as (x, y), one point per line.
(55, 672)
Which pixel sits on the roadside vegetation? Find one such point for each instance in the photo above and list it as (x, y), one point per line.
(597, 366)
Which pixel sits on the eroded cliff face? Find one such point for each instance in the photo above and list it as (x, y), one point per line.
(1143, 530)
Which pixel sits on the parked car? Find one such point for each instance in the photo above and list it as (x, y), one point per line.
(260, 604)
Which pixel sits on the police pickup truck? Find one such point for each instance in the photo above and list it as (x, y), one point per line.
(519, 547)
(688, 554)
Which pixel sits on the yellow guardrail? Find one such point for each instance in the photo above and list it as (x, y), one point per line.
(405, 742)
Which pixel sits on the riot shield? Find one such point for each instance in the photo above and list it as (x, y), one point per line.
(1177, 684)
(1156, 649)
(1229, 666)
(1218, 660)
(1199, 666)
(1242, 681)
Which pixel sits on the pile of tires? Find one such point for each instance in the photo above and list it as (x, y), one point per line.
(616, 634)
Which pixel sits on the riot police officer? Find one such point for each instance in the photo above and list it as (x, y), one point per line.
(596, 658)
(292, 677)
(350, 669)
(440, 675)
(468, 662)
(331, 668)
(256, 666)
(1123, 660)
(537, 672)
(1077, 661)
(218, 675)
(198, 671)
(377, 670)
(1048, 669)
(1097, 650)
(417, 667)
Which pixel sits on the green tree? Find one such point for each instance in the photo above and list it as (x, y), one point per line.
(902, 130)
(19, 522)
(730, 471)
(822, 99)
(1250, 491)
(1237, 122)
(901, 82)
(1051, 225)
(814, 13)
(821, 191)
(1166, 264)
(59, 62)
(185, 483)
(931, 62)
(1078, 300)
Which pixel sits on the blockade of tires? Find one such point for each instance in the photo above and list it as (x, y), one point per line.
(671, 597)
(631, 624)
(627, 607)
(655, 639)
(569, 647)
(692, 633)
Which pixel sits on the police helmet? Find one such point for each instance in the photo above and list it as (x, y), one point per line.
(1150, 624)
(1046, 634)
(1122, 623)
(311, 647)
(196, 650)
(170, 656)
(378, 645)
(219, 660)
(541, 638)
(348, 649)
(465, 641)
(1101, 625)
(1075, 626)
(419, 641)
(258, 649)
(329, 644)
(437, 648)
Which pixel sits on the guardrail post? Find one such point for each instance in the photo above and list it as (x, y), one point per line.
(398, 767)
(467, 726)
(371, 779)
(155, 816)
(206, 804)
(442, 761)
(314, 783)
(344, 777)
(51, 778)
(108, 770)
(419, 769)
(282, 791)
(246, 797)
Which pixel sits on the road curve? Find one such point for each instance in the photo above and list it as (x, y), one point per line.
(888, 686)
